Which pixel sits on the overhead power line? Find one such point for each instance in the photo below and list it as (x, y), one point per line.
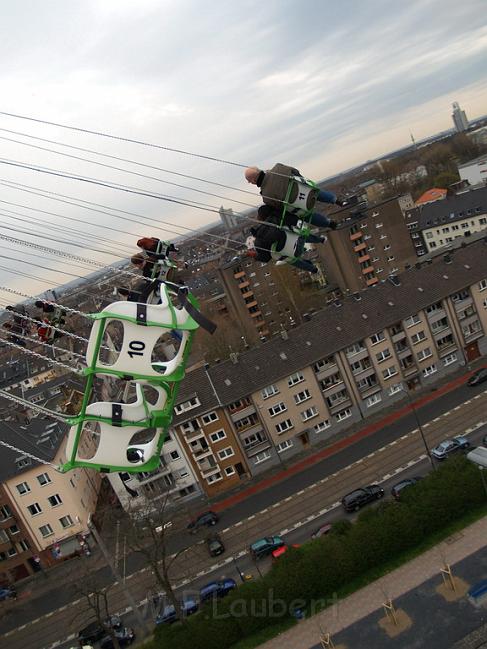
(122, 139)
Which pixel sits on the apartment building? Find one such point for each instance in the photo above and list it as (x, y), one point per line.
(174, 481)
(359, 355)
(437, 225)
(206, 433)
(370, 249)
(50, 509)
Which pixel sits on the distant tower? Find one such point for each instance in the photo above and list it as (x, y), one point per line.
(459, 118)
(228, 218)
(413, 140)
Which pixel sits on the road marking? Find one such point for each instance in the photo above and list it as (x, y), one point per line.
(387, 476)
(465, 403)
(238, 523)
(437, 418)
(393, 442)
(263, 511)
(455, 409)
(228, 529)
(286, 500)
(249, 518)
(285, 531)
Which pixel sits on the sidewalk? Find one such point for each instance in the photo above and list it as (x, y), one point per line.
(393, 585)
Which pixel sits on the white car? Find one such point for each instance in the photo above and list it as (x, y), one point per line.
(450, 446)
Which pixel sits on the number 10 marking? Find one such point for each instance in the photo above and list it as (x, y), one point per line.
(136, 347)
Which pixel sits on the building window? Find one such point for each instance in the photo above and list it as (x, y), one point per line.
(43, 479)
(23, 488)
(5, 512)
(424, 354)
(46, 530)
(377, 338)
(34, 509)
(66, 521)
(229, 470)
(209, 417)
(309, 413)
(187, 405)
(428, 371)
(417, 338)
(397, 387)
(297, 377)
(216, 477)
(226, 452)
(55, 500)
(11, 552)
(277, 408)
(13, 529)
(343, 414)
(302, 396)
(389, 372)
(448, 360)
(371, 401)
(269, 391)
(284, 446)
(174, 455)
(190, 426)
(4, 536)
(262, 457)
(411, 321)
(323, 425)
(282, 426)
(383, 355)
(483, 285)
(24, 545)
(217, 435)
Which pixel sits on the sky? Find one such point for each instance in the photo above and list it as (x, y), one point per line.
(319, 84)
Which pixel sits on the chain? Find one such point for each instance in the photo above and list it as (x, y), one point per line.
(63, 331)
(26, 454)
(48, 345)
(34, 406)
(44, 358)
(33, 297)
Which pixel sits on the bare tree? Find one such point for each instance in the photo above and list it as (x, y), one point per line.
(95, 603)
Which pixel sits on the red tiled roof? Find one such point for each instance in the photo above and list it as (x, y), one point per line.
(431, 195)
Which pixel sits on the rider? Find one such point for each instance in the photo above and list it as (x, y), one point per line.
(274, 185)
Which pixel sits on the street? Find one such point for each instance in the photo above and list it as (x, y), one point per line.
(292, 508)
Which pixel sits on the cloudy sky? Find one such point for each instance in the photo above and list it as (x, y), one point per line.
(321, 84)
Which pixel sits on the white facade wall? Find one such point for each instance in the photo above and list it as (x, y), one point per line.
(475, 172)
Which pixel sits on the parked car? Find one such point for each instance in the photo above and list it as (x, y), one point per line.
(7, 592)
(321, 531)
(217, 589)
(356, 499)
(215, 545)
(478, 377)
(449, 447)
(206, 519)
(484, 441)
(278, 552)
(407, 482)
(265, 546)
(168, 614)
(94, 631)
(125, 637)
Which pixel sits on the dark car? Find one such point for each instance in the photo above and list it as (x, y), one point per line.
(353, 501)
(168, 614)
(265, 546)
(203, 520)
(125, 637)
(407, 482)
(449, 447)
(321, 531)
(478, 377)
(94, 631)
(217, 589)
(7, 592)
(215, 545)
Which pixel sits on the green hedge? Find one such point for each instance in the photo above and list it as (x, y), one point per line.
(309, 576)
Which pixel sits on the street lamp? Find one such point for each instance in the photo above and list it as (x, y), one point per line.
(418, 424)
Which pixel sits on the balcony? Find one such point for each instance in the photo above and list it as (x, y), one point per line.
(251, 304)
(333, 388)
(247, 294)
(255, 314)
(239, 274)
(201, 453)
(362, 370)
(339, 405)
(359, 247)
(369, 390)
(196, 434)
(206, 473)
(258, 447)
(397, 337)
(244, 412)
(363, 259)
(462, 304)
(326, 371)
(368, 270)
(208, 465)
(409, 370)
(372, 281)
(355, 235)
(244, 285)
(253, 429)
(447, 348)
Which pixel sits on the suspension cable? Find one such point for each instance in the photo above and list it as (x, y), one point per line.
(44, 358)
